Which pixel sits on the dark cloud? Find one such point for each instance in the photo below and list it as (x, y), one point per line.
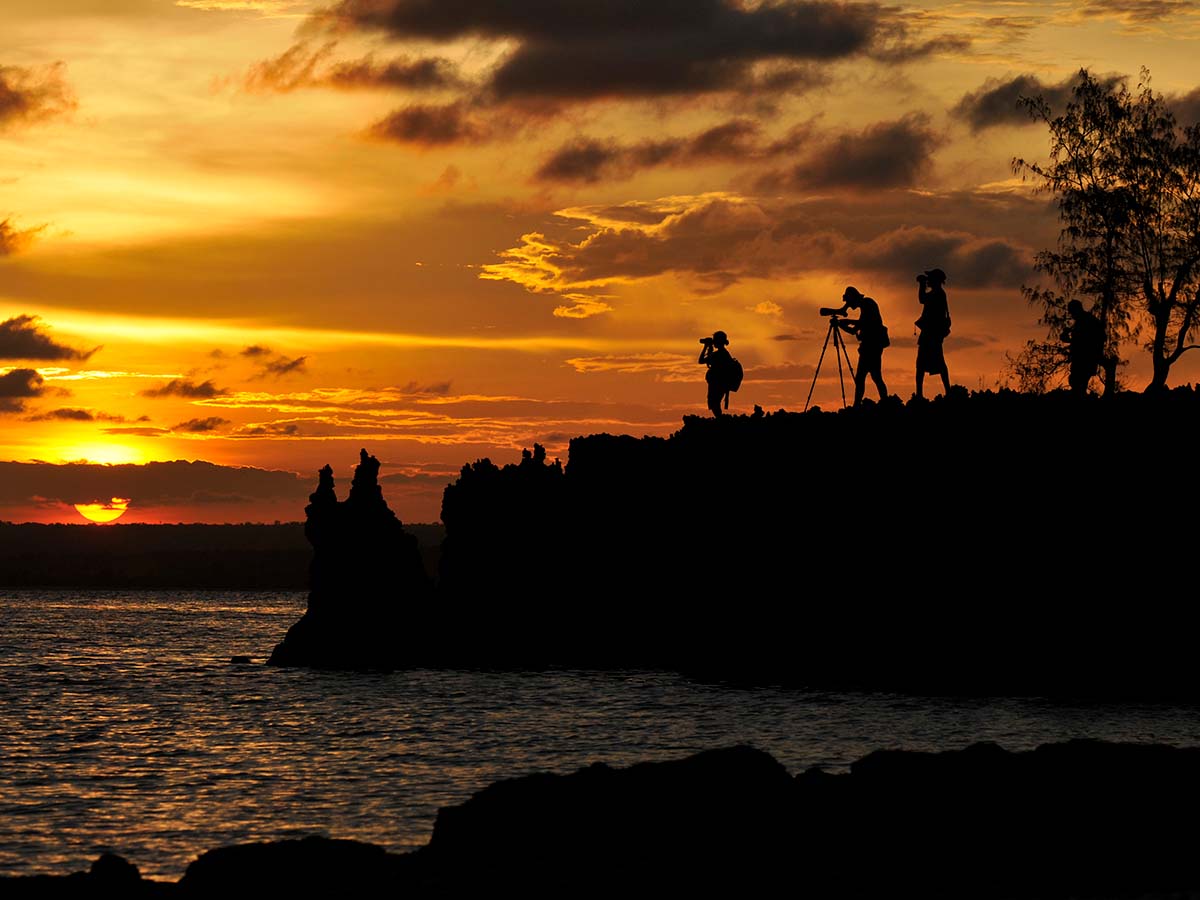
(152, 484)
(440, 388)
(430, 125)
(183, 387)
(306, 66)
(30, 95)
(256, 350)
(1186, 107)
(17, 386)
(271, 429)
(968, 260)
(883, 155)
(201, 426)
(628, 48)
(13, 239)
(23, 337)
(284, 366)
(997, 102)
(588, 160)
(1135, 12)
(75, 415)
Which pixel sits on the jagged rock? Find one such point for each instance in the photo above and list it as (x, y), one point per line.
(368, 587)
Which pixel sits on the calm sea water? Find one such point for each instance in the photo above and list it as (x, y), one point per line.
(124, 727)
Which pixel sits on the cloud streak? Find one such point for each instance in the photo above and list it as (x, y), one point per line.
(183, 387)
(723, 238)
(307, 66)
(588, 160)
(201, 426)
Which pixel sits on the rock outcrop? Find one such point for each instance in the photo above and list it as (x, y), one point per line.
(1081, 819)
(369, 592)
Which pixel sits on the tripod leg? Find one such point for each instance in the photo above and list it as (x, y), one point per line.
(838, 349)
(821, 359)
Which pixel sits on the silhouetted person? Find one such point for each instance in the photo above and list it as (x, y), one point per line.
(1086, 340)
(717, 358)
(872, 338)
(935, 325)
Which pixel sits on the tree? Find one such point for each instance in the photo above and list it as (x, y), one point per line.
(1126, 180)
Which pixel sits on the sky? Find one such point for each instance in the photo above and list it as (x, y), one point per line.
(242, 239)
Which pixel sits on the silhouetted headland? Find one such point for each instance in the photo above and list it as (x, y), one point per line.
(974, 543)
(1082, 819)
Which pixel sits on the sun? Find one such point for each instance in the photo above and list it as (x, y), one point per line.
(104, 512)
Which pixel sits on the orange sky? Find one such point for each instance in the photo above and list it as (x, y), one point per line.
(268, 233)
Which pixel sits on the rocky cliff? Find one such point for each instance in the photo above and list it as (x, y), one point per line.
(368, 590)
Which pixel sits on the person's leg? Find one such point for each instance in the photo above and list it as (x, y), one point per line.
(877, 377)
(860, 382)
(714, 402)
(945, 379)
(920, 381)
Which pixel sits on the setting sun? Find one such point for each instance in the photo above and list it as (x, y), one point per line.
(104, 512)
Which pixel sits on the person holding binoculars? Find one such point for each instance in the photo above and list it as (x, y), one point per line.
(717, 358)
(935, 325)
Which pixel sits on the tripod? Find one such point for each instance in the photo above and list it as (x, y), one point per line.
(839, 350)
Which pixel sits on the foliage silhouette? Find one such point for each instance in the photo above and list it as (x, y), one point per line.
(1126, 180)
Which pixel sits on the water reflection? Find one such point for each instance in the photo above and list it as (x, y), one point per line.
(125, 728)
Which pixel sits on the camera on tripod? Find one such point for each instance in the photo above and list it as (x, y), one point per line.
(833, 311)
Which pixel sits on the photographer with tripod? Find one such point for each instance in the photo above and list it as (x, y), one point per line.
(719, 362)
(872, 339)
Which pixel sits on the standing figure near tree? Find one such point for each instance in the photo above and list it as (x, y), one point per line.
(1086, 347)
(935, 325)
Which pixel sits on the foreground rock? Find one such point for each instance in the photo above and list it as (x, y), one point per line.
(368, 589)
(1083, 819)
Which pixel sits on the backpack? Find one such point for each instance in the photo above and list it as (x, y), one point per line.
(733, 374)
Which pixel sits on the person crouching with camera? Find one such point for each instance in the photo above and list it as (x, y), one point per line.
(717, 358)
(872, 339)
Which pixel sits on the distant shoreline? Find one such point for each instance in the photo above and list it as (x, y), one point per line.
(136, 556)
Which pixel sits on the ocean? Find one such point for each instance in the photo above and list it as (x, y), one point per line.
(125, 727)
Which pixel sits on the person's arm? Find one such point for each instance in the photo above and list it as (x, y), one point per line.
(704, 351)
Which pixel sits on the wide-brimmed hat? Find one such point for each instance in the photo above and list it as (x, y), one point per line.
(935, 274)
(721, 338)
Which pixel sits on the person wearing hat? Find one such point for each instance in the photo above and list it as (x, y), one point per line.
(717, 358)
(935, 325)
(872, 339)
